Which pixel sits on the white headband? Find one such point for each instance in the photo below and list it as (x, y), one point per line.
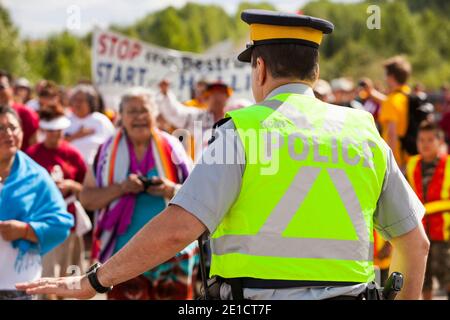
(60, 123)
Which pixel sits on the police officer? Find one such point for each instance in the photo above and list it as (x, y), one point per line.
(290, 190)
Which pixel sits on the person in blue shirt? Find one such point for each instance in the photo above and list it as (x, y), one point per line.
(33, 216)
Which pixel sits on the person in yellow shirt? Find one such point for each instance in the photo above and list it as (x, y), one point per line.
(393, 116)
(199, 99)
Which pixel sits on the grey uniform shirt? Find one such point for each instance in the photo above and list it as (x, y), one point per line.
(214, 185)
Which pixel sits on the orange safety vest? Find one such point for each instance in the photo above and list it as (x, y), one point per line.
(437, 202)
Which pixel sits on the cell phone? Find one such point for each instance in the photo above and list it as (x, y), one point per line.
(155, 183)
(148, 182)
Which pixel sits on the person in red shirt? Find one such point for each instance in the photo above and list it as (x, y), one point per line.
(29, 119)
(429, 176)
(67, 168)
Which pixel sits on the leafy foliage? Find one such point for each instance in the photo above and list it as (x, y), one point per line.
(419, 29)
(11, 49)
(416, 29)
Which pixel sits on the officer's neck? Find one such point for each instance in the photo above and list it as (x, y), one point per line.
(274, 83)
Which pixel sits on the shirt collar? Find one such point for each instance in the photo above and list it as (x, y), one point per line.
(298, 88)
(403, 88)
(406, 89)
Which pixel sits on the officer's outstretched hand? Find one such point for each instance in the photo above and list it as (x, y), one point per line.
(67, 287)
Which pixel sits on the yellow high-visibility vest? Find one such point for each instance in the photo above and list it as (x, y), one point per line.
(313, 176)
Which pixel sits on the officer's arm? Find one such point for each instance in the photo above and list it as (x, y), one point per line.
(158, 241)
(410, 258)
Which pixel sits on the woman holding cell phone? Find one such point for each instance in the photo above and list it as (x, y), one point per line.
(134, 175)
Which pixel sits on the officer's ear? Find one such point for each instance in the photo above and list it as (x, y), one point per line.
(317, 76)
(261, 71)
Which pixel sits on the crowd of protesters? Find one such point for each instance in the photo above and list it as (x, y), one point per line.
(79, 180)
(416, 126)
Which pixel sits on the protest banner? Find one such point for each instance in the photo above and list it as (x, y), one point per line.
(120, 62)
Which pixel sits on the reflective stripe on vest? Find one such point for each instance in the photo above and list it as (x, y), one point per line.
(437, 206)
(410, 168)
(277, 246)
(258, 236)
(445, 207)
(446, 184)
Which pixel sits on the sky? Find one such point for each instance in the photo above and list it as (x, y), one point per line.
(38, 19)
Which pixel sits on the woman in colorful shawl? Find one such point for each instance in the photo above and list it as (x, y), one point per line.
(135, 173)
(33, 216)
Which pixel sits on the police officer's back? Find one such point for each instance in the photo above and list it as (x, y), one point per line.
(293, 215)
(290, 189)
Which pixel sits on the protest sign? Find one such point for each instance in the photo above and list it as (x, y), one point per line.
(120, 62)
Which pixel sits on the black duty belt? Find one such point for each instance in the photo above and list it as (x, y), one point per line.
(238, 285)
(253, 283)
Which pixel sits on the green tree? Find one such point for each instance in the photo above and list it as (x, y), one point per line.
(419, 29)
(66, 59)
(241, 28)
(194, 27)
(11, 48)
(412, 28)
(441, 7)
(34, 53)
(168, 30)
(210, 21)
